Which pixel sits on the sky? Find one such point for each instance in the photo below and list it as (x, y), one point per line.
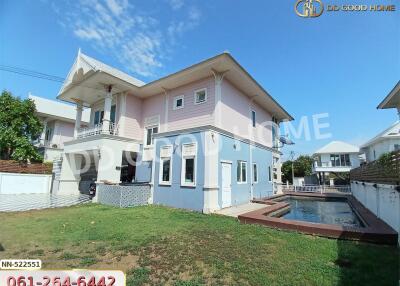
(337, 67)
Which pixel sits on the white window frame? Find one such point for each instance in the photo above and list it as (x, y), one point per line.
(183, 166)
(176, 98)
(240, 162)
(255, 173)
(205, 97)
(145, 134)
(161, 170)
(253, 122)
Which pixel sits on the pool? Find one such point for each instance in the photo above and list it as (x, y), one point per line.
(332, 215)
(313, 210)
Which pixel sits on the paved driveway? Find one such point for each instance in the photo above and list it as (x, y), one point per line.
(24, 202)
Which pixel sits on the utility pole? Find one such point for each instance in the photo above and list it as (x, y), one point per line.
(291, 156)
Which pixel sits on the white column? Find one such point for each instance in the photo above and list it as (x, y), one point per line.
(166, 93)
(70, 174)
(78, 118)
(43, 135)
(107, 110)
(218, 76)
(211, 169)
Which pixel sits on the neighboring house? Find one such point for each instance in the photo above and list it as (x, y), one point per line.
(336, 157)
(384, 142)
(204, 137)
(58, 120)
(389, 139)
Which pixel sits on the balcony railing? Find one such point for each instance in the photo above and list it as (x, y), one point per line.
(96, 130)
(317, 189)
(330, 165)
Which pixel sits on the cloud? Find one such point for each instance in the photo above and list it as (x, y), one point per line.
(133, 36)
(117, 7)
(178, 28)
(176, 4)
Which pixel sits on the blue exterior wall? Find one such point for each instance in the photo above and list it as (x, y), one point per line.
(176, 195)
(235, 150)
(263, 158)
(143, 169)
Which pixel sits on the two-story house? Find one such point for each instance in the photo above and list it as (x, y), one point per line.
(335, 158)
(58, 121)
(386, 141)
(204, 137)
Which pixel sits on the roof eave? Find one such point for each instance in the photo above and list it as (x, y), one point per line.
(392, 93)
(289, 117)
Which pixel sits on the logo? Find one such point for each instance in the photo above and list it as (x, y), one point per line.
(309, 8)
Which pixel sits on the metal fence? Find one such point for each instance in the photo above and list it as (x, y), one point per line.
(317, 189)
(379, 171)
(124, 196)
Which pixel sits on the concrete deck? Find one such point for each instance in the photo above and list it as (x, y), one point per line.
(24, 202)
(235, 211)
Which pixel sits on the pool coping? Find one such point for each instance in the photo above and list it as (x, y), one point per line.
(375, 230)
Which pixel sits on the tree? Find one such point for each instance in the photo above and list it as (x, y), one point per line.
(19, 126)
(302, 167)
(286, 170)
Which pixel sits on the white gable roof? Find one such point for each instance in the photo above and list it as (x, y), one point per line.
(336, 147)
(58, 110)
(392, 132)
(84, 64)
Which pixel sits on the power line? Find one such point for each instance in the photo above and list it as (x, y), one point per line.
(31, 73)
(40, 75)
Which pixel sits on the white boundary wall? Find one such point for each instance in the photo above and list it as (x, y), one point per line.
(13, 183)
(382, 200)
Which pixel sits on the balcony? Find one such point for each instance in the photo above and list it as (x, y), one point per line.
(329, 167)
(96, 130)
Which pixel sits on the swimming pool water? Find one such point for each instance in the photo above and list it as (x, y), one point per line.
(321, 211)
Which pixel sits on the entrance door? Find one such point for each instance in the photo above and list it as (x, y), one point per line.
(226, 185)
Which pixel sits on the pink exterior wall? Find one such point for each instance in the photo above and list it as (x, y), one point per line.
(192, 115)
(62, 132)
(235, 110)
(133, 117)
(154, 106)
(263, 131)
(236, 115)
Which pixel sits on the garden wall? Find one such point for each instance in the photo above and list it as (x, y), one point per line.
(383, 200)
(12, 183)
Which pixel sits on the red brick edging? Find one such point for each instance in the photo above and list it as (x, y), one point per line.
(375, 230)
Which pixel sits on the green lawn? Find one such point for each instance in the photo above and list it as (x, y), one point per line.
(158, 246)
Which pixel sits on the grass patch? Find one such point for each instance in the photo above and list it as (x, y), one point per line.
(87, 261)
(138, 276)
(68, 256)
(36, 252)
(158, 246)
